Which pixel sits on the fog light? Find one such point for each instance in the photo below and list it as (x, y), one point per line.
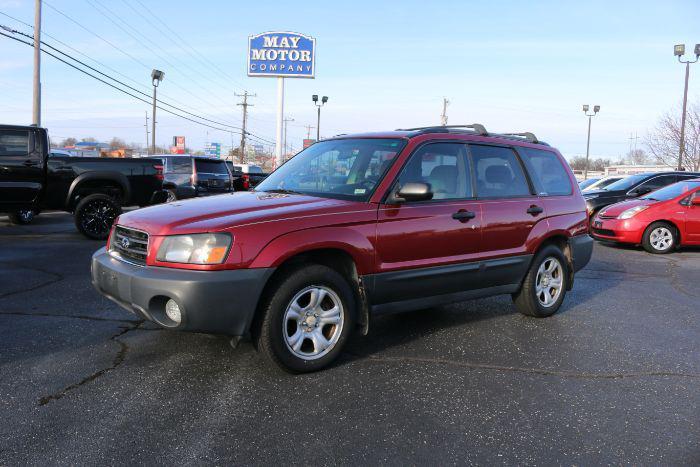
(172, 310)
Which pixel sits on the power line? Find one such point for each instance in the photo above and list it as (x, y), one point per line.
(128, 93)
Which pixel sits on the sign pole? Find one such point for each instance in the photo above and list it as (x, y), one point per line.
(280, 123)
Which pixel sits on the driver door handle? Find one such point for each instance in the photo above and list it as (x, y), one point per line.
(463, 216)
(30, 163)
(535, 210)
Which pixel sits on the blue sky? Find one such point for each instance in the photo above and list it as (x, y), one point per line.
(512, 66)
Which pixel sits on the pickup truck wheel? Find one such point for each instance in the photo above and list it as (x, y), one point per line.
(95, 215)
(544, 287)
(171, 196)
(22, 217)
(308, 317)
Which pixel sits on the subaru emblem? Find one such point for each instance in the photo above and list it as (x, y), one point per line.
(125, 243)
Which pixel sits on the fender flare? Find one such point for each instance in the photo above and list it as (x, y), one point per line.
(116, 177)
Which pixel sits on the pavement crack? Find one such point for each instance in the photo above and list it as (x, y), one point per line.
(536, 371)
(116, 362)
(672, 270)
(56, 278)
(55, 315)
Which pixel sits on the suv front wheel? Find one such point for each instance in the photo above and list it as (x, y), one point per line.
(545, 284)
(307, 319)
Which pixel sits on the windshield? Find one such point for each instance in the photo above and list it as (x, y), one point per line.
(343, 168)
(626, 183)
(586, 183)
(672, 191)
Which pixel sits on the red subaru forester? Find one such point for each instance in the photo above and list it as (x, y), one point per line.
(352, 227)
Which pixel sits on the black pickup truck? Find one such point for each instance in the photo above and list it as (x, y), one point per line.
(246, 176)
(93, 188)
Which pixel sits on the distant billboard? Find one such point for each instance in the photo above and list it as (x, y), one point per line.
(281, 53)
(212, 150)
(179, 142)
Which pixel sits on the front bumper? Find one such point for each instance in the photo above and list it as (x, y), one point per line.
(617, 230)
(221, 302)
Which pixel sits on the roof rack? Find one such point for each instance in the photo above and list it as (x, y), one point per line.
(479, 129)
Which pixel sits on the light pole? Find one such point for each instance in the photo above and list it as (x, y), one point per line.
(596, 109)
(324, 99)
(156, 77)
(36, 104)
(286, 123)
(679, 51)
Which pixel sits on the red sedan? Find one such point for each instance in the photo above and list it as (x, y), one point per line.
(660, 221)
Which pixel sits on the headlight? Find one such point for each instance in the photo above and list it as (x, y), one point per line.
(631, 212)
(210, 248)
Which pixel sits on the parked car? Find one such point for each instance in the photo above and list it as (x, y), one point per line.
(602, 183)
(93, 188)
(246, 176)
(583, 184)
(404, 220)
(660, 221)
(192, 176)
(632, 186)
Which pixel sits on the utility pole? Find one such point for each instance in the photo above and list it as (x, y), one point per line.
(286, 121)
(443, 117)
(245, 106)
(308, 130)
(633, 140)
(146, 125)
(36, 105)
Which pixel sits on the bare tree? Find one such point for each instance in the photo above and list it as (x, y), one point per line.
(68, 142)
(117, 143)
(638, 157)
(664, 140)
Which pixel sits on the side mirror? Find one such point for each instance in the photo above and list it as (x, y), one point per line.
(695, 200)
(642, 190)
(414, 191)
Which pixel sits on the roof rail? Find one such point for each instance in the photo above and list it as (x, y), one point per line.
(477, 127)
(529, 136)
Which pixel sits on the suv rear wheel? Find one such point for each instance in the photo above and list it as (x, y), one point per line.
(307, 319)
(544, 287)
(95, 214)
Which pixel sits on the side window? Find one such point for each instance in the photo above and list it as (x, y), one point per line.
(658, 182)
(547, 172)
(444, 166)
(498, 172)
(14, 143)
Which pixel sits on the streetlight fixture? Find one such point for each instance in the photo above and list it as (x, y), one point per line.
(324, 99)
(156, 77)
(679, 51)
(596, 109)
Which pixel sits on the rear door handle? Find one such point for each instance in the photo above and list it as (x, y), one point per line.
(463, 216)
(535, 210)
(30, 163)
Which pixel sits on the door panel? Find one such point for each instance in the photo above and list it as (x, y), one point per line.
(21, 170)
(692, 223)
(423, 248)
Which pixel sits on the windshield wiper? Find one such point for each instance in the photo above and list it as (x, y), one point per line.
(282, 190)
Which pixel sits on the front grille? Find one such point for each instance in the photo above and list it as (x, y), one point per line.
(130, 244)
(604, 232)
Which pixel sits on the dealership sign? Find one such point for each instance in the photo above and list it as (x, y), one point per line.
(284, 54)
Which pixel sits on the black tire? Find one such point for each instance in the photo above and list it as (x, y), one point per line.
(171, 196)
(270, 336)
(528, 300)
(22, 216)
(95, 214)
(654, 243)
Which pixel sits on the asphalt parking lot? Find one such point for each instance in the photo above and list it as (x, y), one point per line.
(614, 377)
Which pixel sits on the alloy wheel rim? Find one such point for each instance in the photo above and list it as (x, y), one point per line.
(661, 238)
(98, 217)
(26, 215)
(549, 282)
(171, 197)
(313, 322)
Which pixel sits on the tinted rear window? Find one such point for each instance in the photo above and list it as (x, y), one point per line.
(547, 172)
(210, 166)
(14, 142)
(498, 173)
(254, 169)
(178, 165)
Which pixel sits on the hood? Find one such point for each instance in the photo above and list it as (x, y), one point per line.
(216, 213)
(616, 209)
